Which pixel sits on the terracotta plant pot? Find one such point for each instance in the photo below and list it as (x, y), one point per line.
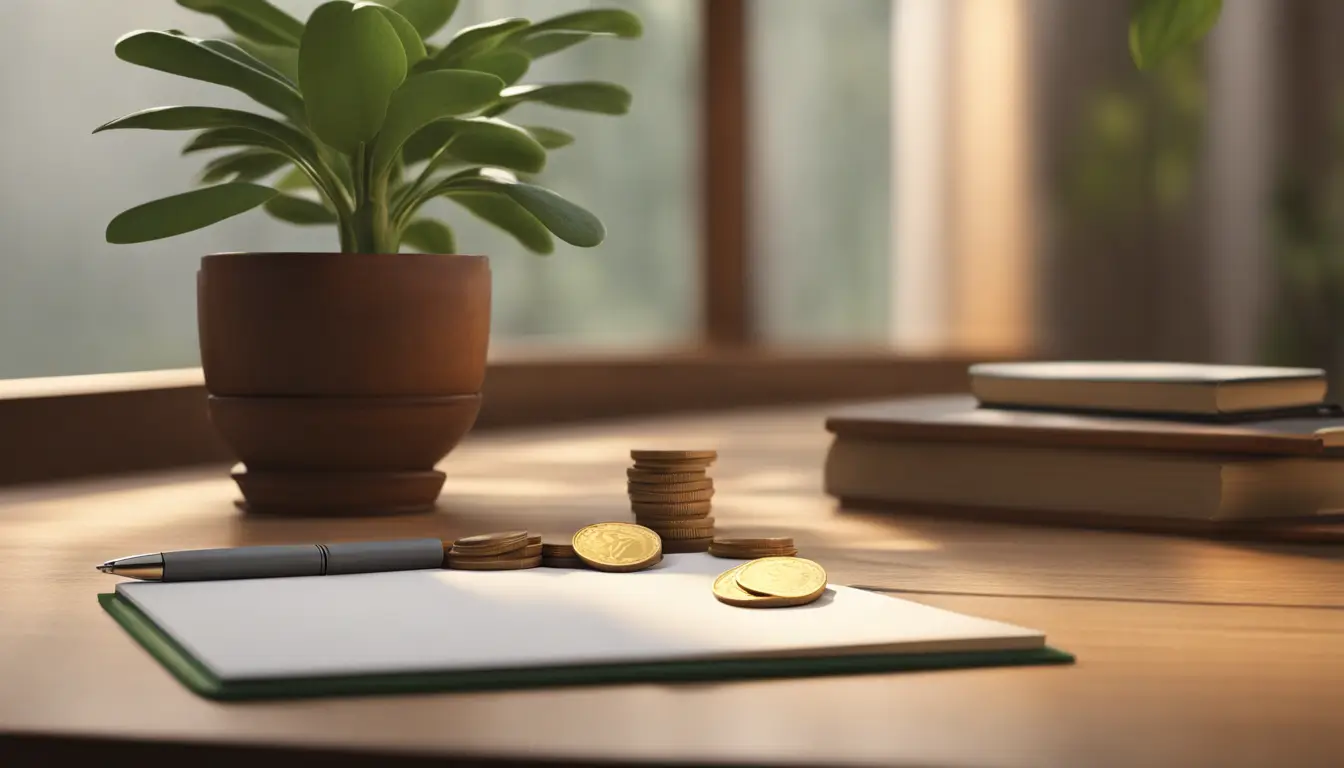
(340, 380)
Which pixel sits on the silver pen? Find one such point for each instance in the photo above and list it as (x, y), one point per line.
(272, 561)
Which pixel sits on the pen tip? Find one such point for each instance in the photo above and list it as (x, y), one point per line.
(104, 568)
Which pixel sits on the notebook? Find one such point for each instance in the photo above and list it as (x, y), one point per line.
(1270, 479)
(460, 630)
(1179, 388)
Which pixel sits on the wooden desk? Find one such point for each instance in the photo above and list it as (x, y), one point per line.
(1191, 653)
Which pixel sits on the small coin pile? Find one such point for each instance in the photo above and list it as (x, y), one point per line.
(618, 547)
(771, 582)
(670, 494)
(501, 551)
(737, 548)
(560, 554)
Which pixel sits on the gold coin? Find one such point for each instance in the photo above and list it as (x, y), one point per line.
(690, 465)
(764, 541)
(686, 485)
(491, 543)
(684, 497)
(682, 533)
(729, 591)
(680, 546)
(646, 476)
(618, 547)
(657, 455)
(673, 525)
(562, 562)
(792, 577)
(493, 563)
(557, 549)
(749, 554)
(681, 510)
(516, 550)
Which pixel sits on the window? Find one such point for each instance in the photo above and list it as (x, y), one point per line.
(820, 121)
(72, 304)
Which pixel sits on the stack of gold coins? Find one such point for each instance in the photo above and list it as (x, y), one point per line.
(560, 554)
(618, 547)
(741, 548)
(670, 493)
(502, 551)
(771, 582)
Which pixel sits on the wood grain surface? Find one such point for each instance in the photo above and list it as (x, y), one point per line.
(1190, 652)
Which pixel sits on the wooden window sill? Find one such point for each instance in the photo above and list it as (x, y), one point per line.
(76, 426)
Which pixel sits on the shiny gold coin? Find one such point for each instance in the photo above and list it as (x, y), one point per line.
(493, 563)
(618, 547)
(672, 510)
(557, 549)
(689, 485)
(792, 577)
(728, 590)
(491, 543)
(683, 497)
(647, 476)
(657, 455)
(681, 546)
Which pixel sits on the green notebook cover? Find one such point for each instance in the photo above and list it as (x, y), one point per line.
(195, 676)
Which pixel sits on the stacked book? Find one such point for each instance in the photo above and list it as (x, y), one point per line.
(1153, 444)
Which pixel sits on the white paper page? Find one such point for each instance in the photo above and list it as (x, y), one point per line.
(444, 620)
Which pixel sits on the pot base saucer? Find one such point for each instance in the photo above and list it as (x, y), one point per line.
(338, 494)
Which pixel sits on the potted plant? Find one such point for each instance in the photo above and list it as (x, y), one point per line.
(341, 379)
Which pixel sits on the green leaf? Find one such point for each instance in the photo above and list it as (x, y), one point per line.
(294, 179)
(609, 21)
(427, 97)
(567, 221)
(411, 44)
(223, 138)
(1158, 28)
(429, 236)
(226, 48)
(550, 138)
(509, 216)
(282, 59)
(186, 57)
(186, 212)
(245, 165)
(350, 62)
(427, 16)
(606, 98)
(476, 40)
(299, 210)
(546, 43)
(254, 19)
(482, 140)
(509, 66)
(285, 137)
(322, 175)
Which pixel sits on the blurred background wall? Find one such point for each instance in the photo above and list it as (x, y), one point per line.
(979, 176)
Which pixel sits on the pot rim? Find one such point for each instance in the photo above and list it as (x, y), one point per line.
(277, 257)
